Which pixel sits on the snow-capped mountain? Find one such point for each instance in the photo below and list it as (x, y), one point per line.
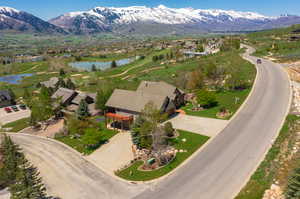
(15, 20)
(141, 19)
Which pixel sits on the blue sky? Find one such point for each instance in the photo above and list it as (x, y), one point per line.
(47, 9)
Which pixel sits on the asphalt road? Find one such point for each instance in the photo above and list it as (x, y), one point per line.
(70, 176)
(223, 167)
(219, 171)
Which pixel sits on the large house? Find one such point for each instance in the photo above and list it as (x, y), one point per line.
(71, 99)
(125, 105)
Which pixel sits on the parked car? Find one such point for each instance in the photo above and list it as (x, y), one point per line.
(7, 110)
(259, 61)
(15, 108)
(22, 106)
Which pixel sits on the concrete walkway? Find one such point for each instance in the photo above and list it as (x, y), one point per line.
(115, 154)
(4, 194)
(204, 126)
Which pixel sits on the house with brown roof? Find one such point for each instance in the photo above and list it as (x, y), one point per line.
(71, 100)
(129, 104)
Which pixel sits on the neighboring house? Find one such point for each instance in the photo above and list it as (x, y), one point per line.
(129, 104)
(65, 95)
(6, 99)
(71, 99)
(51, 83)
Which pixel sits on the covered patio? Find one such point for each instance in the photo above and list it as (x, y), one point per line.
(118, 121)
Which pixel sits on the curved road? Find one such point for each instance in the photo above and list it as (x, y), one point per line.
(68, 175)
(218, 171)
(223, 167)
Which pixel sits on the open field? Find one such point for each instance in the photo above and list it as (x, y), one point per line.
(276, 43)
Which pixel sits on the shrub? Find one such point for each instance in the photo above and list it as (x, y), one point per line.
(92, 137)
(169, 130)
(207, 99)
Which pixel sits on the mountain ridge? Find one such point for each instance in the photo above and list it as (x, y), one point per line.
(142, 20)
(134, 18)
(14, 20)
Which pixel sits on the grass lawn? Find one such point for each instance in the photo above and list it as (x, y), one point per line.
(76, 143)
(17, 125)
(193, 142)
(263, 177)
(225, 99)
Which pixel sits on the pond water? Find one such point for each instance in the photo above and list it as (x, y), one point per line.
(99, 65)
(14, 79)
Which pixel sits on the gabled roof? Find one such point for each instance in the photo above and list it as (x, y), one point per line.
(158, 88)
(51, 83)
(134, 101)
(65, 94)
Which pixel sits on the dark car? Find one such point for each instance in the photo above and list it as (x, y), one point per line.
(22, 106)
(7, 110)
(259, 61)
(15, 108)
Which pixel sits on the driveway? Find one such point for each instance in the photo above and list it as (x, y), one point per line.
(68, 175)
(204, 126)
(13, 116)
(115, 154)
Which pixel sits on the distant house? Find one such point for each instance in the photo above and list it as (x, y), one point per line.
(6, 99)
(194, 54)
(129, 104)
(51, 83)
(71, 99)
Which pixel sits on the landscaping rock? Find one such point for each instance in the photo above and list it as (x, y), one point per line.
(275, 192)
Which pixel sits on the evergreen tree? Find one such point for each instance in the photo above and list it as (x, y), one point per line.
(60, 84)
(18, 174)
(27, 94)
(28, 183)
(70, 84)
(94, 68)
(11, 154)
(12, 94)
(83, 110)
(114, 64)
(102, 97)
(62, 72)
(293, 188)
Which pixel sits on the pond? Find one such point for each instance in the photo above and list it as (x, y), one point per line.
(14, 79)
(100, 65)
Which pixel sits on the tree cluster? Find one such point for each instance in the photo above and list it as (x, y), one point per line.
(147, 133)
(18, 174)
(230, 44)
(68, 83)
(41, 106)
(103, 94)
